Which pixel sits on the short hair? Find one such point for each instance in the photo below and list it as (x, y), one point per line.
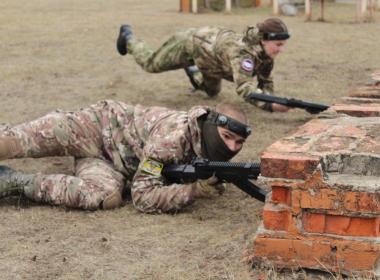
(232, 110)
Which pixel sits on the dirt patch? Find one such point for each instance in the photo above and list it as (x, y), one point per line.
(62, 54)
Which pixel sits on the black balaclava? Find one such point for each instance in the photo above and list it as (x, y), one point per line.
(213, 146)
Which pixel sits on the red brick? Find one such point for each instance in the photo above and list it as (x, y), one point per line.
(332, 143)
(337, 201)
(313, 222)
(337, 224)
(370, 91)
(340, 225)
(319, 199)
(349, 131)
(368, 110)
(281, 195)
(362, 202)
(359, 100)
(368, 227)
(311, 128)
(290, 166)
(336, 255)
(276, 218)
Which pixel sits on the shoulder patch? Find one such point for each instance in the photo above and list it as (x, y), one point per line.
(152, 167)
(247, 64)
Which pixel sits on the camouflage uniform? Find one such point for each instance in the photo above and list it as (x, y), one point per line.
(218, 53)
(111, 141)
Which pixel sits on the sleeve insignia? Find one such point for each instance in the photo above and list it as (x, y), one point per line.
(152, 167)
(247, 64)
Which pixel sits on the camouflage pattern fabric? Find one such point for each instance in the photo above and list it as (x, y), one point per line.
(111, 141)
(218, 53)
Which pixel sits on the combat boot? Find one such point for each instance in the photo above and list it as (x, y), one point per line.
(125, 35)
(195, 77)
(13, 182)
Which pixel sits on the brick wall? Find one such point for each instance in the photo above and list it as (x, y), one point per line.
(324, 208)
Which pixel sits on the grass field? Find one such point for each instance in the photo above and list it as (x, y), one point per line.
(61, 54)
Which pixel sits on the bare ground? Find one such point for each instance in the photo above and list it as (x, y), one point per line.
(61, 54)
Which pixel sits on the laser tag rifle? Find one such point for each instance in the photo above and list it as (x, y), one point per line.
(237, 173)
(312, 108)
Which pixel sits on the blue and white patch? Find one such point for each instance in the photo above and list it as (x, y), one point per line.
(247, 64)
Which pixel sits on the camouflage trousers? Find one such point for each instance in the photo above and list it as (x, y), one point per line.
(95, 184)
(175, 53)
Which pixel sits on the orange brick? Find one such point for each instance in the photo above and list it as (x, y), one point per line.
(288, 166)
(337, 255)
(371, 91)
(313, 222)
(319, 199)
(331, 144)
(368, 227)
(368, 110)
(311, 128)
(349, 131)
(337, 224)
(341, 225)
(281, 195)
(362, 202)
(276, 218)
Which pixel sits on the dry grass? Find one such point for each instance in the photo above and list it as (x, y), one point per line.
(61, 53)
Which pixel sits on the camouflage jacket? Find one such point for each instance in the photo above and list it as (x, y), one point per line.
(222, 53)
(135, 135)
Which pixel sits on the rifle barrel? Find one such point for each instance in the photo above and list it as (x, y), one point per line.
(290, 102)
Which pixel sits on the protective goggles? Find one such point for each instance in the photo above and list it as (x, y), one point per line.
(270, 36)
(229, 123)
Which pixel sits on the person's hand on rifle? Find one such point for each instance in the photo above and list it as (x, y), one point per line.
(279, 108)
(208, 188)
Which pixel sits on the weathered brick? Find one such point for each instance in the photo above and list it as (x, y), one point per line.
(288, 165)
(315, 197)
(349, 131)
(281, 195)
(365, 110)
(362, 202)
(356, 257)
(313, 222)
(369, 91)
(359, 100)
(311, 129)
(331, 143)
(319, 199)
(341, 225)
(276, 217)
(325, 216)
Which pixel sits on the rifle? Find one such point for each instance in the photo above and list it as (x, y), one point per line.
(312, 108)
(236, 173)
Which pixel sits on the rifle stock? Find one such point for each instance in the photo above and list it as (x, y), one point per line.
(312, 108)
(238, 174)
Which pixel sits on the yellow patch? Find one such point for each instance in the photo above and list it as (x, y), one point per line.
(152, 167)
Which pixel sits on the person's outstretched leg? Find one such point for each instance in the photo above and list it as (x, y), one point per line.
(56, 134)
(175, 53)
(97, 185)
